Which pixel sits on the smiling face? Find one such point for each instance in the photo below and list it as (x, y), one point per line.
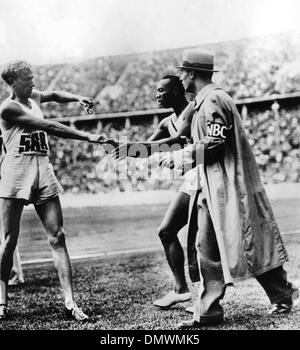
(165, 94)
(23, 84)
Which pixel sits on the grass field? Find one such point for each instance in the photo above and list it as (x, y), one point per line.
(117, 291)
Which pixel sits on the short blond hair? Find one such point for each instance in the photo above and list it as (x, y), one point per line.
(12, 70)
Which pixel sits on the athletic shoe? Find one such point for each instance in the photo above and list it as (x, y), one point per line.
(3, 312)
(172, 298)
(76, 313)
(15, 281)
(192, 324)
(16, 277)
(284, 308)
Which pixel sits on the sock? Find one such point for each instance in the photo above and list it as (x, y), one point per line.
(69, 304)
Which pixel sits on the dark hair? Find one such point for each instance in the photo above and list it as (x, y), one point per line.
(12, 70)
(175, 83)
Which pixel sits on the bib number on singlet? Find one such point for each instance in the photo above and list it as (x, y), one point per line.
(34, 142)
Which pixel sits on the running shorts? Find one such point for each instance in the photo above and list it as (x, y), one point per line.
(28, 177)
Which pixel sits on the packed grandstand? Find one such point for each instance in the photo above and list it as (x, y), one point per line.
(250, 69)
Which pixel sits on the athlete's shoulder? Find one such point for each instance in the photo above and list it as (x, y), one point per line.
(171, 117)
(165, 121)
(189, 109)
(9, 107)
(8, 104)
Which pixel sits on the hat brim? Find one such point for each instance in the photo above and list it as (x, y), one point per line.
(200, 69)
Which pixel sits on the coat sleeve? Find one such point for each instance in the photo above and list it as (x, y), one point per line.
(217, 124)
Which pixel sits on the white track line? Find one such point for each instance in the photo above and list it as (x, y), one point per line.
(113, 253)
(91, 256)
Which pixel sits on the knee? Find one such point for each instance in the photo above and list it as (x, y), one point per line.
(165, 234)
(9, 244)
(197, 244)
(57, 237)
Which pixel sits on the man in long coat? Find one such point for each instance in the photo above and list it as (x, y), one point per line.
(236, 231)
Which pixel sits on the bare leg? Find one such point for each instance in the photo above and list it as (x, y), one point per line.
(50, 214)
(175, 218)
(10, 211)
(16, 276)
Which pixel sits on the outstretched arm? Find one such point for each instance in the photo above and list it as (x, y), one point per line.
(160, 132)
(63, 97)
(147, 148)
(183, 133)
(13, 113)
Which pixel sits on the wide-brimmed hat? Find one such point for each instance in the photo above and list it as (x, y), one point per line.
(198, 59)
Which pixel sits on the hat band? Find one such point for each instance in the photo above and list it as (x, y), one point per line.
(198, 65)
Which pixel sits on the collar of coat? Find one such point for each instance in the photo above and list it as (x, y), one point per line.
(203, 93)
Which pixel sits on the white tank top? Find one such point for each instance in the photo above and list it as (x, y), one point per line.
(173, 125)
(19, 140)
(191, 178)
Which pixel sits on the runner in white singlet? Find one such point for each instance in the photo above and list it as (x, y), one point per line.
(27, 175)
(26, 171)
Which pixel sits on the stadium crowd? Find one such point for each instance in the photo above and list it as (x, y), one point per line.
(276, 144)
(249, 68)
